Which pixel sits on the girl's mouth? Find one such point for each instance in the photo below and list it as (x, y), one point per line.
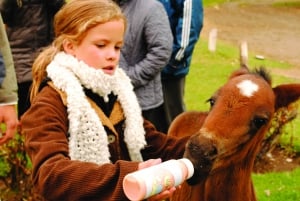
(109, 70)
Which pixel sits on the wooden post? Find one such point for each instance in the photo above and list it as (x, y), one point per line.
(244, 53)
(212, 42)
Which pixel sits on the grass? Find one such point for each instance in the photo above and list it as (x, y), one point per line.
(208, 72)
(215, 2)
(277, 186)
(293, 4)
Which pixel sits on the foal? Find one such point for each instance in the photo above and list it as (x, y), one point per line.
(224, 141)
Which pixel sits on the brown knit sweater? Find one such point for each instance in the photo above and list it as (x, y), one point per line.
(58, 178)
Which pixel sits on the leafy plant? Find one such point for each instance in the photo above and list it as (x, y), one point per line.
(15, 172)
(281, 118)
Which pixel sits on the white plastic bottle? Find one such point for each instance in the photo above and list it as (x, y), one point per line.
(150, 181)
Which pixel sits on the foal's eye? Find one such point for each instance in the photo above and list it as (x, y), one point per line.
(211, 101)
(259, 122)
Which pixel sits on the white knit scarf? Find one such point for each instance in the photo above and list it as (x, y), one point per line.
(88, 139)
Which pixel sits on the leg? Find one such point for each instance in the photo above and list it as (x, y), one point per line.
(24, 97)
(173, 91)
(157, 117)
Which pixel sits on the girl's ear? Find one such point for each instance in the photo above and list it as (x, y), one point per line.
(69, 47)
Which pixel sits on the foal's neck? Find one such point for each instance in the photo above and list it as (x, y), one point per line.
(233, 183)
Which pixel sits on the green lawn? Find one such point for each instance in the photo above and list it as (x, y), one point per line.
(278, 186)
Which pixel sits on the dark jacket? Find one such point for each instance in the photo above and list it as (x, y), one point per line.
(29, 29)
(186, 20)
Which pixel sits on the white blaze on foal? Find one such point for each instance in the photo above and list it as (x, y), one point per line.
(247, 87)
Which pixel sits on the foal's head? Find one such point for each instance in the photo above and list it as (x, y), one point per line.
(240, 114)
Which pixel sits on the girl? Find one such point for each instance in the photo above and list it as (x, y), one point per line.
(84, 130)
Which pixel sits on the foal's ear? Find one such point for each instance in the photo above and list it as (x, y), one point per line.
(286, 94)
(241, 71)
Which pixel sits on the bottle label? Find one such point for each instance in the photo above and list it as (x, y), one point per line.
(162, 180)
(164, 176)
(175, 169)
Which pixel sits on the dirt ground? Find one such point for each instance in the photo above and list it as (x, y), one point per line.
(273, 32)
(269, 31)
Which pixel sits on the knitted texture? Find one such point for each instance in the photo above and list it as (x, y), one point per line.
(88, 139)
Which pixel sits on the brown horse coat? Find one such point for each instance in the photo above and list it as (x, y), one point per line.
(225, 141)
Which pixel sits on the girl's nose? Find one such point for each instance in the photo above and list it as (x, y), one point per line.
(113, 54)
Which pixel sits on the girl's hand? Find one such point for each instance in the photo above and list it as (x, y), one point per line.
(163, 195)
(8, 116)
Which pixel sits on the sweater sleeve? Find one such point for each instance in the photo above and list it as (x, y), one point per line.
(8, 87)
(158, 44)
(188, 27)
(55, 176)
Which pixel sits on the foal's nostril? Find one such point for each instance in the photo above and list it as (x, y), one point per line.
(213, 151)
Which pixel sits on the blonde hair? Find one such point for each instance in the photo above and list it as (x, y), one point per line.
(72, 22)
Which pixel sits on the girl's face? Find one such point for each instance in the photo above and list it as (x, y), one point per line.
(100, 48)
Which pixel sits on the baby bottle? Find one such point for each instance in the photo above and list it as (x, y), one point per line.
(150, 181)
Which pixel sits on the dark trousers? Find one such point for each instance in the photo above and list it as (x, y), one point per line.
(24, 97)
(173, 90)
(157, 117)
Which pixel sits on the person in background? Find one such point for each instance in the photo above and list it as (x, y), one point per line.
(147, 49)
(84, 131)
(29, 30)
(8, 89)
(186, 20)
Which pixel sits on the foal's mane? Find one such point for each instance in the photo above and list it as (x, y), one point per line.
(260, 71)
(264, 73)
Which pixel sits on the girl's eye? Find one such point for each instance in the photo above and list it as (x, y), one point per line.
(100, 45)
(118, 47)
